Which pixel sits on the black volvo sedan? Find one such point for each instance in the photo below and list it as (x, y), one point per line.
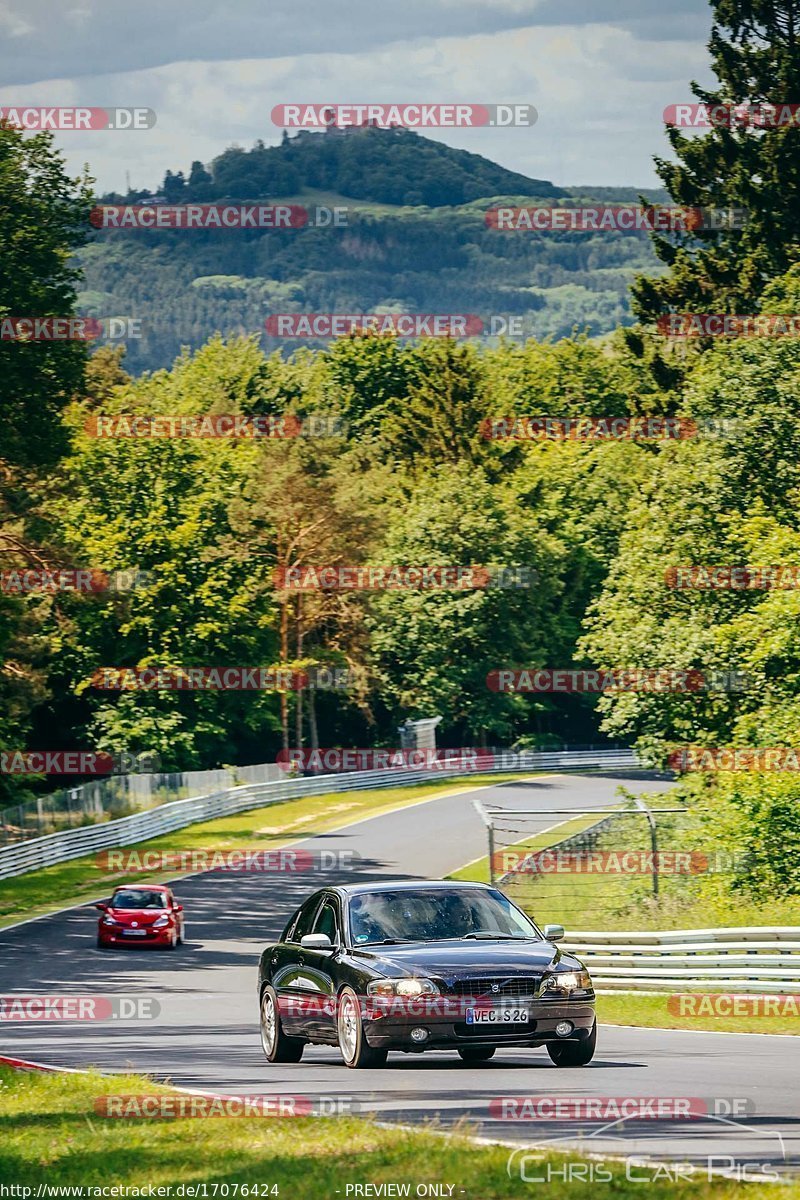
(416, 966)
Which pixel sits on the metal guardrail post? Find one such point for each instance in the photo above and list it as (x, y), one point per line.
(651, 821)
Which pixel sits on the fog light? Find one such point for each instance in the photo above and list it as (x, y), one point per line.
(564, 1028)
(421, 1035)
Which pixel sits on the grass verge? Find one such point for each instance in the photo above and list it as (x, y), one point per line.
(50, 1135)
(652, 1012)
(264, 828)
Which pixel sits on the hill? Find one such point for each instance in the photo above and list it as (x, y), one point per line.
(397, 253)
(388, 166)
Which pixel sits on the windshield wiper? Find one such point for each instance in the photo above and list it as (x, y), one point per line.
(390, 942)
(484, 935)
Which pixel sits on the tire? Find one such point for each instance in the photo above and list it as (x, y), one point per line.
(355, 1051)
(101, 945)
(574, 1054)
(476, 1054)
(277, 1047)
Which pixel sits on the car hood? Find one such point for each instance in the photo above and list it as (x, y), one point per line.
(463, 959)
(142, 917)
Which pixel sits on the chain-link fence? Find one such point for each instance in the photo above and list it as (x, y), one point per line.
(119, 796)
(602, 868)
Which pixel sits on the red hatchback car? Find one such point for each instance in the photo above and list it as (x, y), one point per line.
(148, 915)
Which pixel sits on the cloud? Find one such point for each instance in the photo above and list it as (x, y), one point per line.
(97, 37)
(600, 87)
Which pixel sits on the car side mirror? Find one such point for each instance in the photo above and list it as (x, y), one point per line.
(553, 933)
(102, 907)
(177, 907)
(316, 941)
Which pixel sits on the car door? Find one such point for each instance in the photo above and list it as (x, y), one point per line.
(288, 971)
(177, 912)
(320, 971)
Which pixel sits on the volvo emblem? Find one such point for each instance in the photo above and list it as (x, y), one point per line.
(495, 987)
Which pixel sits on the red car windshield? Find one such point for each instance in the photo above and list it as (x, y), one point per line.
(132, 899)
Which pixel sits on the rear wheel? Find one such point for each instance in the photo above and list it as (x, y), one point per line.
(574, 1054)
(476, 1054)
(277, 1047)
(356, 1052)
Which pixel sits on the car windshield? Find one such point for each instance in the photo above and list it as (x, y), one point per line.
(132, 898)
(433, 915)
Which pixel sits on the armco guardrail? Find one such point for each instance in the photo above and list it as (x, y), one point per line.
(747, 959)
(61, 847)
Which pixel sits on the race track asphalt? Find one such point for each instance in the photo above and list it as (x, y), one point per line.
(206, 1034)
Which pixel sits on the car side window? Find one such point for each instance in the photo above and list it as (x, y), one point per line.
(304, 921)
(327, 922)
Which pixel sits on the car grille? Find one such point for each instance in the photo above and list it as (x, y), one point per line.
(523, 986)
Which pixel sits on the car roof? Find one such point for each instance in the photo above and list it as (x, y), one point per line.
(407, 885)
(141, 887)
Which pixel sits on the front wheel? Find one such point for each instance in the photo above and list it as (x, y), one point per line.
(476, 1054)
(277, 1047)
(574, 1054)
(356, 1051)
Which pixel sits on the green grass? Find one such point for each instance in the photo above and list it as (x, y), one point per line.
(626, 902)
(652, 1012)
(262, 828)
(50, 1134)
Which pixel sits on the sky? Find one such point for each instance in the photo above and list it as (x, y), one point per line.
(600, 73)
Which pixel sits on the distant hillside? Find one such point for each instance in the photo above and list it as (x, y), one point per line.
(386, 166)
(412, 257)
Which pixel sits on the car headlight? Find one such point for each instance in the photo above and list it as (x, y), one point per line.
(568, 981)
(108, 921)
(402, 987)
(160, 922)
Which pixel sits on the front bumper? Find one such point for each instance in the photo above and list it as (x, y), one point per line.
(447, 1027)
(154, 937)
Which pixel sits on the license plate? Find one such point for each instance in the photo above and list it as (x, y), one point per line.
(497, 1016)
(134, 933)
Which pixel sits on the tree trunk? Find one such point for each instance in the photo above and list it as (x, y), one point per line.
(298, 717)
(284, 660)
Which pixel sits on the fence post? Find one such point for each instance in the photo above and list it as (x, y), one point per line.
(651, 821)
